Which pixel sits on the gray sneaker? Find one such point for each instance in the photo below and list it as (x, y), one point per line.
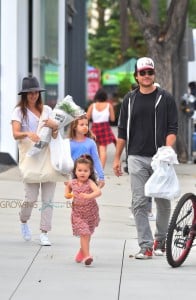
(144, 254)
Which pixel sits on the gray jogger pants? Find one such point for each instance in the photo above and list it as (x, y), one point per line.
(140, 170)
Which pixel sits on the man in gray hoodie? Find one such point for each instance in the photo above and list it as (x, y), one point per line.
(148, 120)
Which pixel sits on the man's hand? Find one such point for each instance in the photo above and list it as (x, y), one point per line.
(117, 163)
(117, 167)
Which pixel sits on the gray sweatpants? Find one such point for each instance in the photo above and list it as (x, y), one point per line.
(31, 197)
(140, 170)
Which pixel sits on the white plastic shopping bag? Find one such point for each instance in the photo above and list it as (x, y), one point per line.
(63, 113)
(60, 154)
(163, 183)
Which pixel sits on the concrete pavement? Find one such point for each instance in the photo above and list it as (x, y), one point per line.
(29, 271)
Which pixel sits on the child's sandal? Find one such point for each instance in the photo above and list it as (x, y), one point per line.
(88, 260)
(79, 257)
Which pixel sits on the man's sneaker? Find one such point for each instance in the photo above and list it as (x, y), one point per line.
(159, 248)
(144, 254)
(26, 234)
(44, 241)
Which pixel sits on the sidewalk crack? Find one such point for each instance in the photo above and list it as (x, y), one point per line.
(121, 269)
(27, 270)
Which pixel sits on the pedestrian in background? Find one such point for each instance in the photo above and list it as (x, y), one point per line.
(25, 120)
(148, 120)
(101, 112)
(85, 211)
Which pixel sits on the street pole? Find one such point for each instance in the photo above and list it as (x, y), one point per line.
(189, 146)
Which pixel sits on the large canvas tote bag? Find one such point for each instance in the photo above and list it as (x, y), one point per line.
(37, 168)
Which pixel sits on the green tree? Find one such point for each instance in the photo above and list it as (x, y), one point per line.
(124, 86)
(109, 46)
(164, 44)
(157, 30)
(120, 37)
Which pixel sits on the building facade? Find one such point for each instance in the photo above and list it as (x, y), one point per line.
(47, 39)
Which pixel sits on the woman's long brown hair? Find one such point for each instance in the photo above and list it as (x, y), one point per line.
(23, 104)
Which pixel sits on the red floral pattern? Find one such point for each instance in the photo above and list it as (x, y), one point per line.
(85, 213)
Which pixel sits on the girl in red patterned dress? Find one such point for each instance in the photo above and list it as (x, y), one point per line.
(85, 212)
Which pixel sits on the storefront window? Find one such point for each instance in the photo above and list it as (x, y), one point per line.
(49, 50)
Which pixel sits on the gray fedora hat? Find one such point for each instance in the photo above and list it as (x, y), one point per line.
(30, 84)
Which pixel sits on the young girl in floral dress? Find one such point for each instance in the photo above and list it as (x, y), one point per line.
(85, 212)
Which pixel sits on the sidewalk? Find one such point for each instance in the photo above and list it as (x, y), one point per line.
(29, 271)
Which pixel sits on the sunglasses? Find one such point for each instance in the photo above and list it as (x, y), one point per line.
(146, 72)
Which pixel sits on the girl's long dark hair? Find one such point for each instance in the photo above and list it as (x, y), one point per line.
(85, 159)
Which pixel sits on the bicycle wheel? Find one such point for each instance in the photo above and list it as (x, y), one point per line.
(181, 231)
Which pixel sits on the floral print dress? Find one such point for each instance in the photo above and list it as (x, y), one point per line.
(85, 212)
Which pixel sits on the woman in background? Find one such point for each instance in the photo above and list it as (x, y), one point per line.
(101, 112)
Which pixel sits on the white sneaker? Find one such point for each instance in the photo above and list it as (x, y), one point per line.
(158, 252)
(159, 248)
(26, 234)
(44, 241)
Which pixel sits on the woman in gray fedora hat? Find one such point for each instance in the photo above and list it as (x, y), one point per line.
(25, 123)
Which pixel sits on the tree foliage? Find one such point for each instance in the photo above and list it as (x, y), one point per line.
(120, 37)
(165, 45)
(104, 46)
(148, 27)
(162, 40)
